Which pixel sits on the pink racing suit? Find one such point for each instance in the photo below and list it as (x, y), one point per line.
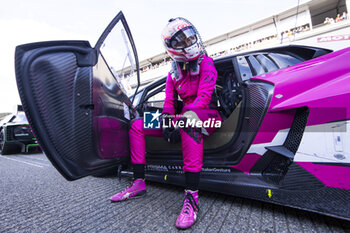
(195, 87)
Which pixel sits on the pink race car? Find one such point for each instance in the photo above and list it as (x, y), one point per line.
(285, 136)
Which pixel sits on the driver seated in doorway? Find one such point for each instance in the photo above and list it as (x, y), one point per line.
(192, 77)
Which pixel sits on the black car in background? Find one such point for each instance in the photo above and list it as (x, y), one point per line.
(15, 135)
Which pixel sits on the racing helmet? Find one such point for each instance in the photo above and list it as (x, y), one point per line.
(182, 40)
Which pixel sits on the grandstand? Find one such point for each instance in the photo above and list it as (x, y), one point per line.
(306, 24)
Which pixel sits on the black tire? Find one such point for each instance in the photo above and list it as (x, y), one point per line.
(5, 147)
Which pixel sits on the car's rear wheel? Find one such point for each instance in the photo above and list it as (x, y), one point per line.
(2, 141)
(5, 148)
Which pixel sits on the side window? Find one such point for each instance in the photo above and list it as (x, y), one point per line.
(118, 54)
(284, 60)
(137, 98)
(157, 100)
(20, 118)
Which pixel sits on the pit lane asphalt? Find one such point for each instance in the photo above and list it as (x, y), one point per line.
(36, 198)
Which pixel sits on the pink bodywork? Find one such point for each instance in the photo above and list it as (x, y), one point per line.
(331, 176)
(321, 84)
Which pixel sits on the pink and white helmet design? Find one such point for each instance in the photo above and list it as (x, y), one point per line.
(181, 40)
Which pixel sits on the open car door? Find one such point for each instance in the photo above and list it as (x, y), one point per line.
(76, 98)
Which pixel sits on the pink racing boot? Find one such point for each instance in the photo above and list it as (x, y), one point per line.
(137, 189)
(189, 210)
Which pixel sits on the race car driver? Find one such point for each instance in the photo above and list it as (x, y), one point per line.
(192, 77)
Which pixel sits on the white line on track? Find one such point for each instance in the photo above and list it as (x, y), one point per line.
(33, 164)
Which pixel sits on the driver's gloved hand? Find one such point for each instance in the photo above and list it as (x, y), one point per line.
(170, 134)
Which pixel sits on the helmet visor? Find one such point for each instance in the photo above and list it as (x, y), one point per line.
(183, 38)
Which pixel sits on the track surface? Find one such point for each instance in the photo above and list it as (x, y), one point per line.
(36, 198)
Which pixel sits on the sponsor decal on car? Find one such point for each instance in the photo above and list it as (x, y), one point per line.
(333, 38)
(178, 169)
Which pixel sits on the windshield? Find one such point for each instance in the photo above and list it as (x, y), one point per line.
(20, 118)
